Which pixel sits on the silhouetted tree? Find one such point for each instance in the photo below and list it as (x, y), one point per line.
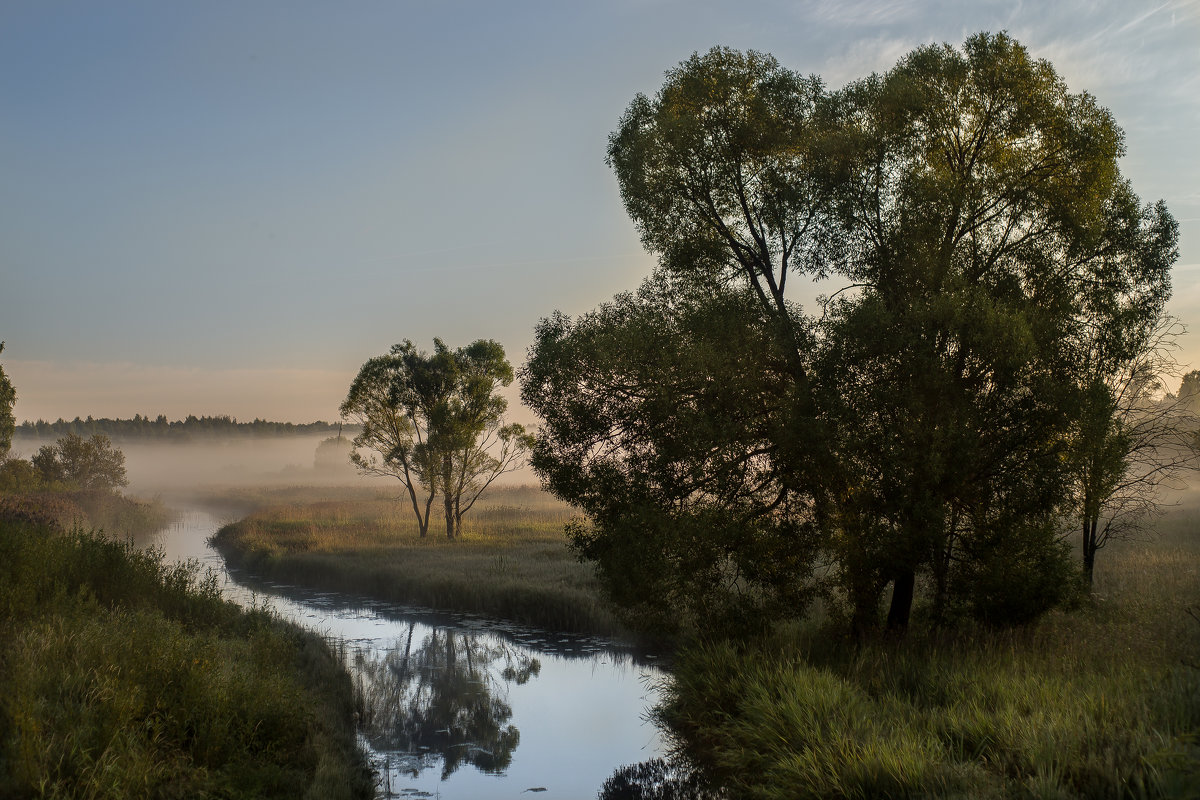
(1132, 438)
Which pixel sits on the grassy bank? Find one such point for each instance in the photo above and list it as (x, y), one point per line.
(125, 677)
(1101, 702)
(511, 560)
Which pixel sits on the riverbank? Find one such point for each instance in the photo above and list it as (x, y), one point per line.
(126, 677)
(1101, 701)
(511, 560)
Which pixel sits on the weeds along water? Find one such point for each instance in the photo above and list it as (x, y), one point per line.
(125, 676)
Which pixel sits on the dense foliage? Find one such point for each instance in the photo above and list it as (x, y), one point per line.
(81, 463)
(1103, 703)
(735, 455)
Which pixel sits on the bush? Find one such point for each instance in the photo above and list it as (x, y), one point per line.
(1015, 577)
(82, 463)
(19, 475)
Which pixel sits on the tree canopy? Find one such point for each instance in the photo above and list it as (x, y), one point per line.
(727, 443)
(82, 463)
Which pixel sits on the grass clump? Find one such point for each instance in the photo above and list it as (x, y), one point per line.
(511, 559)
(1099, 702)
(125, 677)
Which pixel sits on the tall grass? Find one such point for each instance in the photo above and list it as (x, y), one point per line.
(511, 560)
(1099, 702)
(124, 677)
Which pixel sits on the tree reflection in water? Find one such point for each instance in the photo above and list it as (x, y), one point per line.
(658, 779)
(445, 699)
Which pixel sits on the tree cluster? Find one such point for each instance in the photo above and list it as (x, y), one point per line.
(923, 428)
(79, 463)
(145, 427)
(435, 422)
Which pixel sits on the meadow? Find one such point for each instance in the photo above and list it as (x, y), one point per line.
(510, 561)
(126, 677)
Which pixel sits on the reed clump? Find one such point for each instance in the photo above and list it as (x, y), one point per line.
(510, 561)
(126, 677)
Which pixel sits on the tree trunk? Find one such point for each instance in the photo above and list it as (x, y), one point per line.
(448, 498)
(902, 600)
(424, 522)
(1089, 547)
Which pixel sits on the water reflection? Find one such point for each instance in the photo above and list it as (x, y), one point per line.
(658, 779)
(578, 702)
(443, 701)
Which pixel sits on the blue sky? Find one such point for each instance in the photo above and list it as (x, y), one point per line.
(226, 207)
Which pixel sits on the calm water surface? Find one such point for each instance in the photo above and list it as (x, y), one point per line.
(462, 706)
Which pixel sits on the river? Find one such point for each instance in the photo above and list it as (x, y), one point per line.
(460, 706)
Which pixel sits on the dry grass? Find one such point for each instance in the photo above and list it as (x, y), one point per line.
(511, 560)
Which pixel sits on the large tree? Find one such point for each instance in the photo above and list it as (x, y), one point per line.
(436, 422)
(972, 209)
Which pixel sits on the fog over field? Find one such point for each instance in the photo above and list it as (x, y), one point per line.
(177, 468)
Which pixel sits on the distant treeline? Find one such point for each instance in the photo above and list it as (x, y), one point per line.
(160, 428)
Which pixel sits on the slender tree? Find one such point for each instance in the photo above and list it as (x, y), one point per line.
(1132, 440)
(394, 428)
(8, 396)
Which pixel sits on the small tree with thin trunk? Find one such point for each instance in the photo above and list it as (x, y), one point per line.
(393, 440)
(1133, 440)
(8, 396)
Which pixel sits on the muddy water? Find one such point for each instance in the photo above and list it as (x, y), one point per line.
(459, 706)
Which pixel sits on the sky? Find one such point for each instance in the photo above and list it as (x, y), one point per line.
(226, 207)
